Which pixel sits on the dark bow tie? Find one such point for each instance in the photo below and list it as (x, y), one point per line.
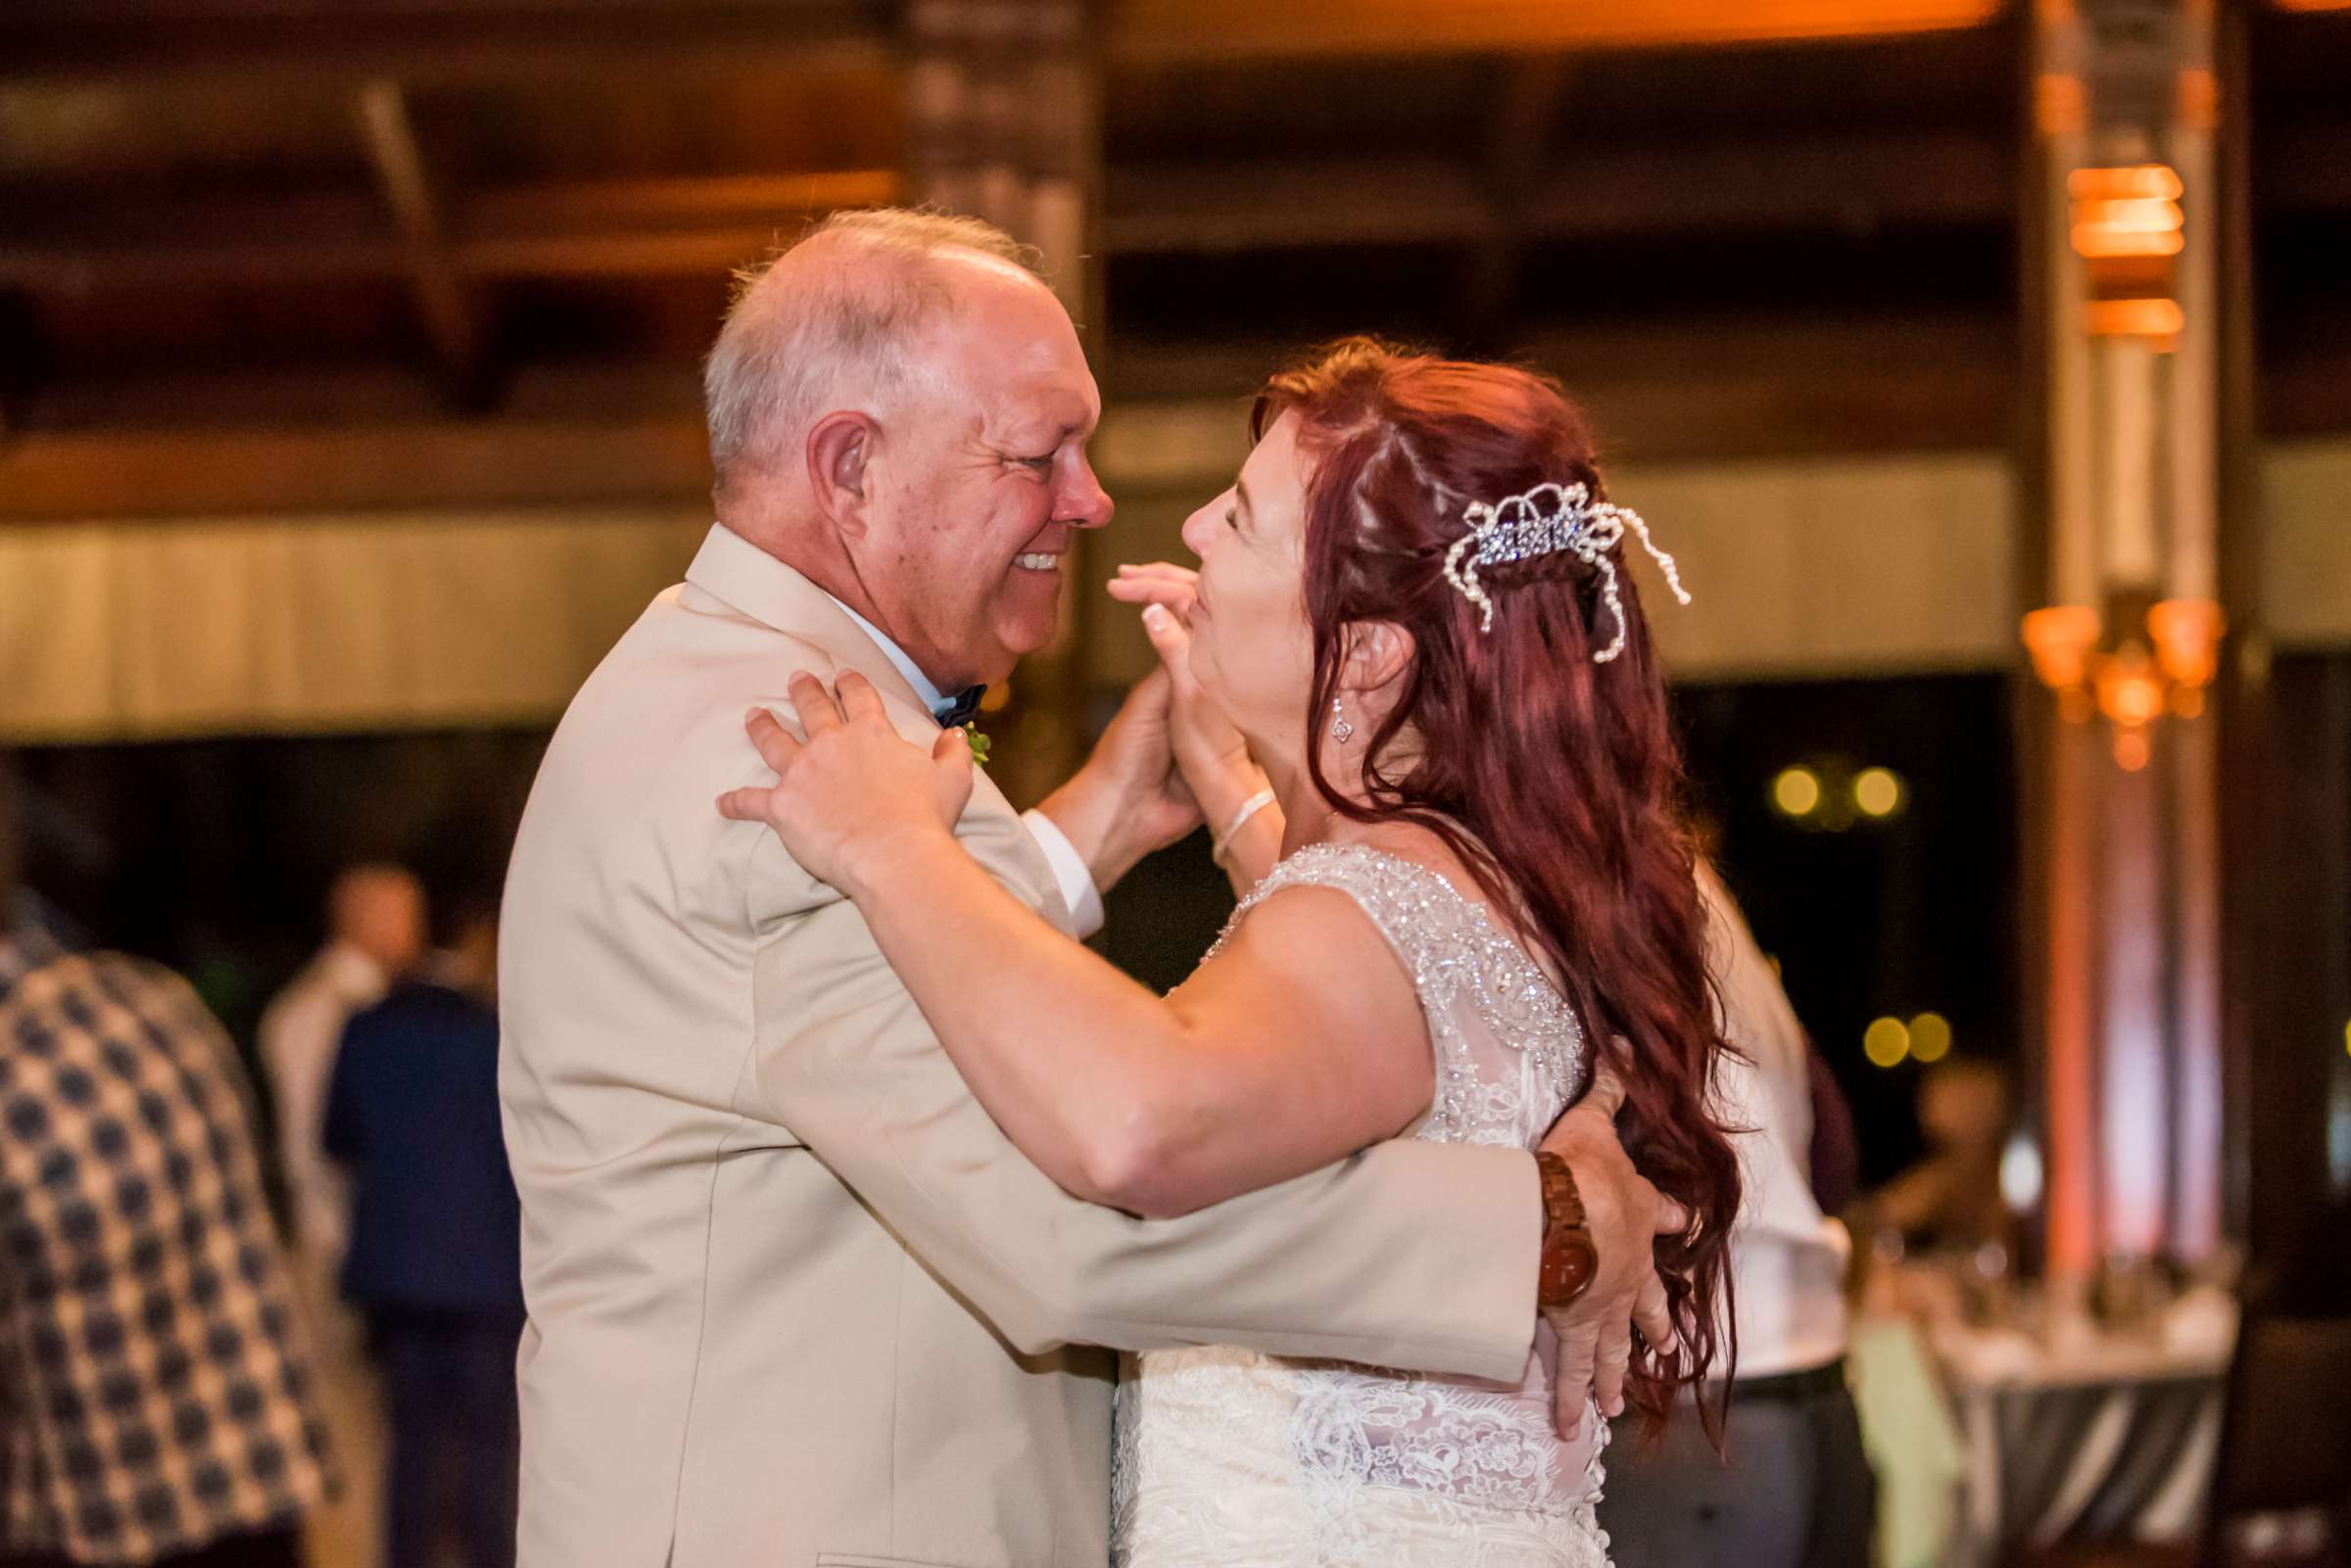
(964, 709)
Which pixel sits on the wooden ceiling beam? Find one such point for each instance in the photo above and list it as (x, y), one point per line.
(1822, 182)
(651, 227)
(307, 42)
(1712, 387)
(636, 228)
(1518, 132)
(442, 41)
(1207, 209)
(59, 477)
(1147, 31)
(444, 298)
(673, 202)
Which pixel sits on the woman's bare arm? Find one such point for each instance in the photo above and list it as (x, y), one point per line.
(1301, 1042)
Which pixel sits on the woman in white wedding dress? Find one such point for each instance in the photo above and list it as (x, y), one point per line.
(1411, 687)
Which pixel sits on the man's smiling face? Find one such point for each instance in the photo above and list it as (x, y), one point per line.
(981, 482)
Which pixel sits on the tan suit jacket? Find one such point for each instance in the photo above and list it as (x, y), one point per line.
(794, 1297)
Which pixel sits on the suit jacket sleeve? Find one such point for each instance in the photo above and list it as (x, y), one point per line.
(1410, 1255)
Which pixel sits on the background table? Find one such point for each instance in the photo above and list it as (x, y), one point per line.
(2101, 1439)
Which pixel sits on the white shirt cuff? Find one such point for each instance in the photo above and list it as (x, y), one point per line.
(1078, 889)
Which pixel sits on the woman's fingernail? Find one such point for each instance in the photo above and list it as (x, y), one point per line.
(1155, 616)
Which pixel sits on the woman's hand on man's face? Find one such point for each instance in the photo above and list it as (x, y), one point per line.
(1161, 583)
(1209, 751)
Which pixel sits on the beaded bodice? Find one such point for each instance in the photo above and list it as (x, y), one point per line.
(1226, 1455)
(1509, 1050)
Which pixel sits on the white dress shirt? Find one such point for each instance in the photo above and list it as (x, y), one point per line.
(1078, 889)
(1788, 1260)
(301, 1035)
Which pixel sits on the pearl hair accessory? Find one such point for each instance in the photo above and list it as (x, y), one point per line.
(1519, 527)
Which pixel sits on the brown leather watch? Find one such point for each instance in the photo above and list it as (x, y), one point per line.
(1569, 1261)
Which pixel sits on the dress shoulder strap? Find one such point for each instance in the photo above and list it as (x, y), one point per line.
(1415, 908)
(1454, 955)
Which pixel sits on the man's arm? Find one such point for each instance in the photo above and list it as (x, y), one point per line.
(1126, 802)
(1388, 1250)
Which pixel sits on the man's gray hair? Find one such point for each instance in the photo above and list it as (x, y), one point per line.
(799, 340)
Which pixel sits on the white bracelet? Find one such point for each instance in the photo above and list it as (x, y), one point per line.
(1240, 818)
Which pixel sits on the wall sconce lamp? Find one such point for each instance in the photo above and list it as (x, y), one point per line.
(2164, 655)
(2129, 230)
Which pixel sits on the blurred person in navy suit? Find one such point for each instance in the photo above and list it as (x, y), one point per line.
(434, 1255)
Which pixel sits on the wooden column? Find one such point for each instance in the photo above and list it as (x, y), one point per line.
(1003, 123)
(2129, 216)
(2285, 895)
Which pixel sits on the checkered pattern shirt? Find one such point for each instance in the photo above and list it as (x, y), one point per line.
(153, 1383)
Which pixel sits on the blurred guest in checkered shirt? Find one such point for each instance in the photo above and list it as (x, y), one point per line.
(155, 1404)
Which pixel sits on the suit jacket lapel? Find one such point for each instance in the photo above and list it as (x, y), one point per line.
(733, 568)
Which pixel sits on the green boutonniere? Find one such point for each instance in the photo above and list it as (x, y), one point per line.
(979, 744)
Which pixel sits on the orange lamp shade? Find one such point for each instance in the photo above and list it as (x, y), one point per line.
(2186, 634)
(2059, 639)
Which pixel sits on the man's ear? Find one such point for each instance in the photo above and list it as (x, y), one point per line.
(840, 451)
(1378, 652)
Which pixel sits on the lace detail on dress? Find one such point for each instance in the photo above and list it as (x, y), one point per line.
(1455, 956)
(1227, 1457)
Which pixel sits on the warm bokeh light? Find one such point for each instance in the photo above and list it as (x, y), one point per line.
(2128, 689)
(2157, 182)
(1886, 1042)
(2131, 228)
(2131, 212)
(2158, 318)
(2021, 1176)
(1877, 791)
(1930, 1037)
(2186, 634)
(1796, 792)
(2060, 640)
(2132, 749)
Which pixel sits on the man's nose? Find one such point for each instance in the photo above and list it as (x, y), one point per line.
(1087, 504)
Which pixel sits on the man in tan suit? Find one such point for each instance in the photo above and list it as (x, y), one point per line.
(794, 1297)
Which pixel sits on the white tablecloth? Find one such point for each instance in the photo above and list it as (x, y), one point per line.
(2089, 1437)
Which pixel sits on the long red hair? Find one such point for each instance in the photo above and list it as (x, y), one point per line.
(1555, 780)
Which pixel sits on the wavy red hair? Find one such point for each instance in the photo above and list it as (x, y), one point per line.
(1555, 780)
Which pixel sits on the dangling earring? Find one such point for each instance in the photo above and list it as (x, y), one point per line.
(1340, 730)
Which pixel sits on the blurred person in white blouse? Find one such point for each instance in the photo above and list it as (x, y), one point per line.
(1794, 1487)
(375, 932)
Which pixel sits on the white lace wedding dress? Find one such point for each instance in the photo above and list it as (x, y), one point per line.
(1228, 1459)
